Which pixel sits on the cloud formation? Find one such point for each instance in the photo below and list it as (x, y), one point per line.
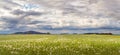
(67, 15)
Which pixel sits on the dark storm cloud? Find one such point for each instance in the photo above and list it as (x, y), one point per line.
(14, 22)
(26, 13)
(7, 8)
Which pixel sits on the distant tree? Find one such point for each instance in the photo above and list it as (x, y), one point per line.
(100, 33)
(64, 33)
(48, 33)
(75, 33)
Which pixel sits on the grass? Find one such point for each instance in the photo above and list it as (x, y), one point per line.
(59, 45)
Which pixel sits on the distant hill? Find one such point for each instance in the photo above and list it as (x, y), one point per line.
(30, 32)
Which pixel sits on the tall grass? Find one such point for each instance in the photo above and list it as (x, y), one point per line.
(59, 45)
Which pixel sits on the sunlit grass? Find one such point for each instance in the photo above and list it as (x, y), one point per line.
(59, 45)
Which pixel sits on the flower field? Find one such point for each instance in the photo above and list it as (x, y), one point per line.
(59, 44)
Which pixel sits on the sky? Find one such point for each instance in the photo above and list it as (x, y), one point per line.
(60, 16)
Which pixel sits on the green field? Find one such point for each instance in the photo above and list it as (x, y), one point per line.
(59, 45)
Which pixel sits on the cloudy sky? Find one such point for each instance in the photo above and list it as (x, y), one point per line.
(60, 16)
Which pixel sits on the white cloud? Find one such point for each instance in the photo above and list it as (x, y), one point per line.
(46, 14)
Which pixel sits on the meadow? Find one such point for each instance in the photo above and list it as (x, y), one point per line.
(59, 44)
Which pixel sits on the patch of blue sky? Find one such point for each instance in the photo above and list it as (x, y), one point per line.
(30, 6)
